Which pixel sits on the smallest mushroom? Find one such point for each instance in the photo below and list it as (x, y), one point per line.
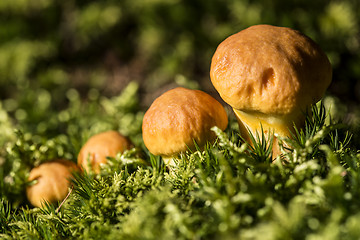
(100, 146)
(50, 181)
(179, 118)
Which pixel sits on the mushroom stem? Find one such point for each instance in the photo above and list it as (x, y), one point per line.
(280, 125)
(169, 161)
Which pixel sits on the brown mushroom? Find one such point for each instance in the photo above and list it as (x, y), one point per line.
(98, 147)
(50, 181)
(179, 118)
(270, 76)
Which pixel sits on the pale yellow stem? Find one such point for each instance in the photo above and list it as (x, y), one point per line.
(169, 161)
(280, 125)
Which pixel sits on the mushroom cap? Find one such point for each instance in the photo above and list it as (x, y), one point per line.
(271, 70)
(178, 118)
(52, 181)
(100, 146)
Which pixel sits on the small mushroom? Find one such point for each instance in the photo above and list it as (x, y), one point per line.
(179, 118)
(98, 147)
(270, 76)
(50, 181)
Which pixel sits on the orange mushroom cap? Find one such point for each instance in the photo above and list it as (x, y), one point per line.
(178, 118)
(100, 146)
(270, 70)
(52, 181)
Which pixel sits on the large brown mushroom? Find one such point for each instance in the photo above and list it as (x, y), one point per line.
(50, 181)
(270, 76)
(178, 119)
(98, 147)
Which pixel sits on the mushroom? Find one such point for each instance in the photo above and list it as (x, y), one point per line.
(178, 119)
(50, 181)
(270, 76)
(98, 147)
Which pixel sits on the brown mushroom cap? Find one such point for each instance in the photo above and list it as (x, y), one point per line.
(271, 70)
(52, 181)
(178, 118)
(100, 146)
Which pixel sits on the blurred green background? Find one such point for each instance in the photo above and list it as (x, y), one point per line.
(98, 47)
